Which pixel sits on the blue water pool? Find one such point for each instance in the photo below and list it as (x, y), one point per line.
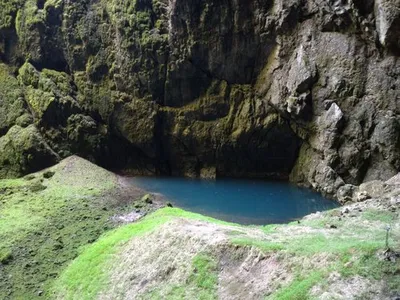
(239, 201)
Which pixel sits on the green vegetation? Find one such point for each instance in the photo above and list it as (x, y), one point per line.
(12, 104)
(45, 90)
(50, 223)
(299, 288)
(204, 273)
(42, 229)
(346, 253)
(29, 15)
(201, 284)
(265, 246)
(8, 10)
(368, 265)
(17, 147)
(379, 215)
(87, 275)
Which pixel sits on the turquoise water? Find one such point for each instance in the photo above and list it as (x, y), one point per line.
(239, 201)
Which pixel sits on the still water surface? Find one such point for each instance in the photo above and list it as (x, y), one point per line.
(239, 201)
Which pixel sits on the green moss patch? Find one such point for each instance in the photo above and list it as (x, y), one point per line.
(41, 230)
(202, 284)
(8, 11)
(299, 288)
(12, 105)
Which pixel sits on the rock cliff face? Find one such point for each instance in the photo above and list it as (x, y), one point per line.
(288, 88)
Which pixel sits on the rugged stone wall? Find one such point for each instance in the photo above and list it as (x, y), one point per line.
(308, 89)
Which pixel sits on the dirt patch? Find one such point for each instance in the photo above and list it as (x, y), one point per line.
(352, 288)
(247, 273)
(167, 263)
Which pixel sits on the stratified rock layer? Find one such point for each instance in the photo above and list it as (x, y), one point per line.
(301, 89)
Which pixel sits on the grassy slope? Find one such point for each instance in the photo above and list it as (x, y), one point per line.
(45, 222)
(350, 250)
(85, 277)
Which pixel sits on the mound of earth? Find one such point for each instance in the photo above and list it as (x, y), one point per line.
(173, 254)
(47, 217)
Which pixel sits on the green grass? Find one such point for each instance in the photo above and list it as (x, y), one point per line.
(9, 184)
(48, 226)
(313, 243)
(202, 283)
(379, 215)
(299, 288)
(204, 273)
(87, 275)
(265, 246)
(318, 243)
(368, 265)
(269, 228)
(42, 230)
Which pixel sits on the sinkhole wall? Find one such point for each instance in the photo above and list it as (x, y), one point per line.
(290, 89)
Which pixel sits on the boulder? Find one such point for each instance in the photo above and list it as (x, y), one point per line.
(49, 94)
(374, 189)
(347, 193)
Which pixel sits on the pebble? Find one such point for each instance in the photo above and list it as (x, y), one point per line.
(345, 211)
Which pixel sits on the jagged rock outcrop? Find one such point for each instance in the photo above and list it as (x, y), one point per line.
(308, 89)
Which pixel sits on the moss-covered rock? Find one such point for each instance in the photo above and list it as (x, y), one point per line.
(49, 94)
(137, 122)
(8, 11)
(12, 104)
(23, 150)
(38, 27)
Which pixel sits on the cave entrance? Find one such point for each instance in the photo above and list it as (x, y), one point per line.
(265, 153)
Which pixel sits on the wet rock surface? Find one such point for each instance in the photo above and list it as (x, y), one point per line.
(282, 89)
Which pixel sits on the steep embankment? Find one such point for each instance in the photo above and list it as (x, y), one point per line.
(173, 254)
(47, 217)
(308, 89)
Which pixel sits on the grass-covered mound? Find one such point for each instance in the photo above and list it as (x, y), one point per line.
(45, 220)
(173, 254)
(51, 221)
